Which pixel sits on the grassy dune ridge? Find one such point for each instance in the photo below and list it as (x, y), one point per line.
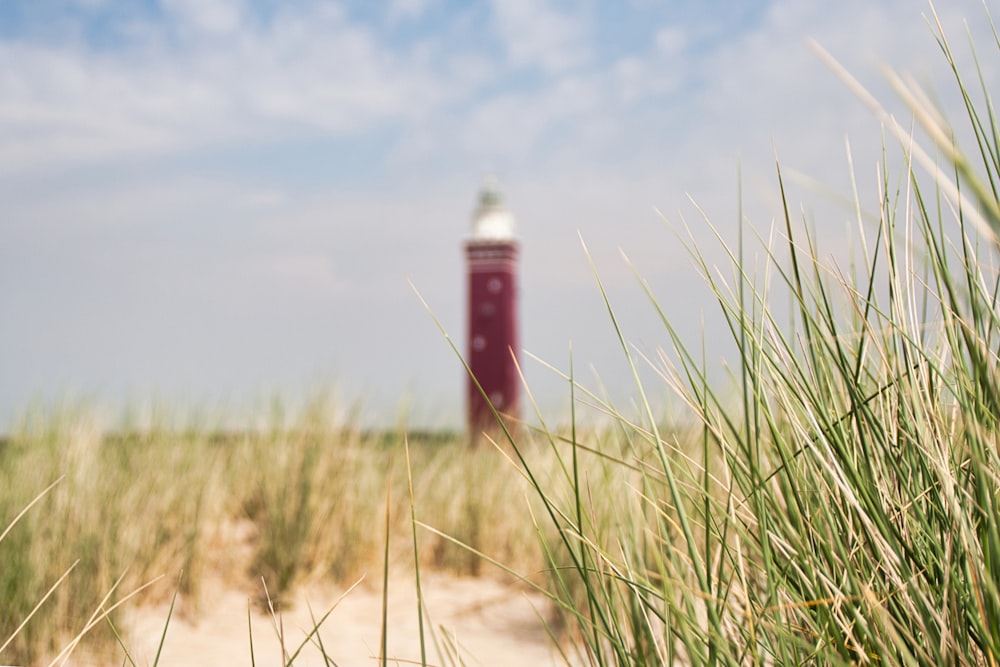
(841, 510)
(844, 509)
(182, 507)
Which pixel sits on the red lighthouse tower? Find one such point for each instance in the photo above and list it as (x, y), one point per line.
(491, 259)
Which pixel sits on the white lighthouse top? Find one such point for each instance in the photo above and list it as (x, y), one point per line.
(492, 221)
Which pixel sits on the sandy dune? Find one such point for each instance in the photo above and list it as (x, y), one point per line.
(492, 624)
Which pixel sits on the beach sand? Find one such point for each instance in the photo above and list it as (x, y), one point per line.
(490, 622)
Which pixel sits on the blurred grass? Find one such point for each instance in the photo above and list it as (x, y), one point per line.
(843, 509)
(290, 502)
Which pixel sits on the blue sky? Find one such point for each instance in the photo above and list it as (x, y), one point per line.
(209, 202)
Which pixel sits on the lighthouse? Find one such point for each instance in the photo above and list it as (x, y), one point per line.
(491, 265)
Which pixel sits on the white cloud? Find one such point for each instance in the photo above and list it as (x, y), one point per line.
(635, 79)
(64, 104)
(212, 16)
(512, 125)
(263, 199)
(407, 9)
(539, 34)
(670, 40)
(303, 272)
(767, 85)
(90, 5)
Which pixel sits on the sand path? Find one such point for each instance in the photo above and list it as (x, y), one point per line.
(493, 624)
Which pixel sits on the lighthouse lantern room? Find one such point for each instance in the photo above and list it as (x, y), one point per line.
(491, 254)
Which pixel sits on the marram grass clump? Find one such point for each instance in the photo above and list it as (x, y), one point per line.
(145, 514)
(844, 508)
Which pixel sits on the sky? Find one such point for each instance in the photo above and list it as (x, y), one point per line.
(207, 204)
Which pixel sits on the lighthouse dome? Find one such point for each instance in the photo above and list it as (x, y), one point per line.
(492, 221)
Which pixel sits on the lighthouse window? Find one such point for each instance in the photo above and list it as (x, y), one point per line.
(479, 343)
(487, 309)
(494, 285)
(496, 398)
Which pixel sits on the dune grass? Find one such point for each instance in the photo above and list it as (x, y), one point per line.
(187, 509)
(841, 510)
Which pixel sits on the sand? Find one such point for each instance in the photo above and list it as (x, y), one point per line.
(491, 623)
